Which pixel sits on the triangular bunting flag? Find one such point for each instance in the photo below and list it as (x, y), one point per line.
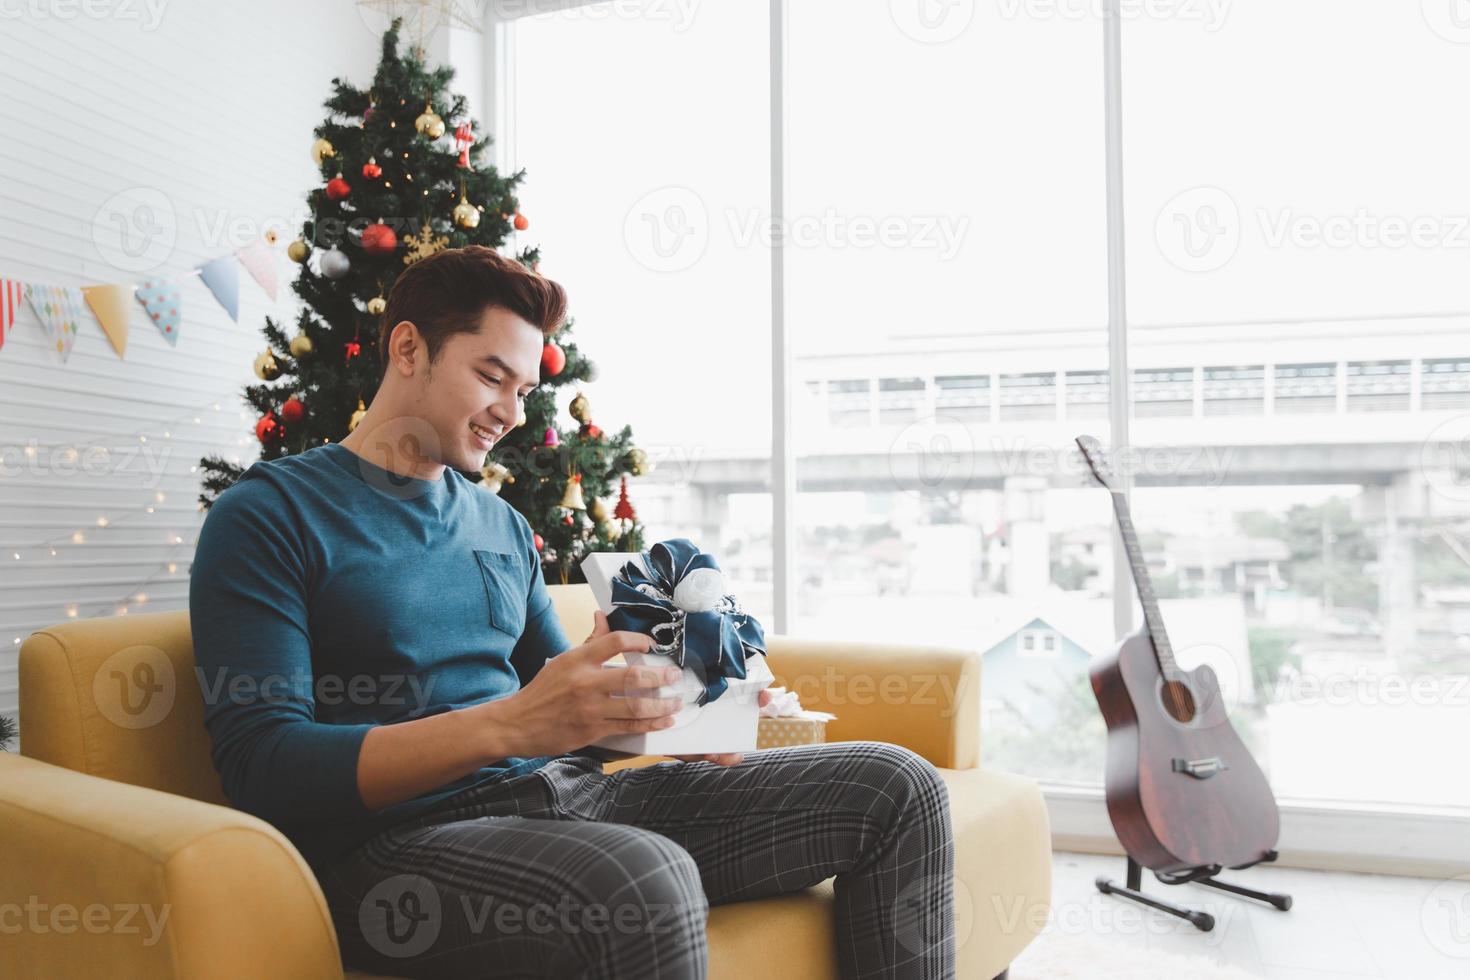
(260, 262)
(162, 302)
(110, 305)
(11, 292)
(222, 276)
(60, 311)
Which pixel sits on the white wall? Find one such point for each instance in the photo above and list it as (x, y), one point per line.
(204, 111)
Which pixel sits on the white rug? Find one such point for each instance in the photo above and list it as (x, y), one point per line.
(1057, 956)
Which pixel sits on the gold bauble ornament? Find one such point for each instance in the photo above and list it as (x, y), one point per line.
(266, 366)
(581, 409)
(429, 123)
(638, 461)
(597, 510)
(356, 416)
(377, 305)
(322, 149)
(466, 215)
(298, 250)
(300, 344)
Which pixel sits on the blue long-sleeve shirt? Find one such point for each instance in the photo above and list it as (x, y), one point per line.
(329, 595)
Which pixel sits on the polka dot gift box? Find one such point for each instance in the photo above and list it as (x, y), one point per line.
(784, 722)
(161, 301)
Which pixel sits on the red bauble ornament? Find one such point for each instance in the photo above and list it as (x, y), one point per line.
(292, 410)
(591, 431)
(352, 349)
(568, 521)
(371, 170)
(540, 542)
(379, 239)
(268, 429)
(338, 189)
(553, 359)
(521, 223)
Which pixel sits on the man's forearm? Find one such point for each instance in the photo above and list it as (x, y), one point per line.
(399, 762)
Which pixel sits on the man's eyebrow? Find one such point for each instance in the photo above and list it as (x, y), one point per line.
(498, 362)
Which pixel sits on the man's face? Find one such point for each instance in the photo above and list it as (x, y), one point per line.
(472, 395)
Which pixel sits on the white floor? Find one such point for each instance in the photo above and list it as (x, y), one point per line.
(1340, 925)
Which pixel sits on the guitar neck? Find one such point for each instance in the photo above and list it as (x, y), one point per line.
(1146, 597)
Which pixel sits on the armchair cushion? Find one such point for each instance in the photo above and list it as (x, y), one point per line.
(132, 882)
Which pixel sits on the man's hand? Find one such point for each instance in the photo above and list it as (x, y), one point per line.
(600, 628)
(570, 701)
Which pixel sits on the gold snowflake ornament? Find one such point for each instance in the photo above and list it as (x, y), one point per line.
(424, 244)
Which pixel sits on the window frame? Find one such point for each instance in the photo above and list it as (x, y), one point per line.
(1315, 833)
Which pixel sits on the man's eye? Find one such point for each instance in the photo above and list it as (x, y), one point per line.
(487, 377)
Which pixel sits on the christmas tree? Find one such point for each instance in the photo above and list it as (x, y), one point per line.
(402, 178)
(7, 732)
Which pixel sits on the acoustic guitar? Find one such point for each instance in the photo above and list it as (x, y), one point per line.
(1183, 791)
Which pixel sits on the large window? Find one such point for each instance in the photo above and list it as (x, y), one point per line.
(1297, 323)
(649, 191)
(1297, 225)
(932, 506)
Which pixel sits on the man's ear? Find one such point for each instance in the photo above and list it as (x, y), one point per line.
(404, 344)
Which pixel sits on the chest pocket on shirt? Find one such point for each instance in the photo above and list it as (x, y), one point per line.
(506, 587)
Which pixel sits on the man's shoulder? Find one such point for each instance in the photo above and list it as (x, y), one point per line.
(268, 480)
(267, 491)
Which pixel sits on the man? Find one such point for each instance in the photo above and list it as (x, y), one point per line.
(394, 692)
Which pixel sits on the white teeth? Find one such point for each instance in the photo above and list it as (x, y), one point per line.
(482, 431)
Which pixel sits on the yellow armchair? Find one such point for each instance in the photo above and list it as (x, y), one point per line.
(122, 857)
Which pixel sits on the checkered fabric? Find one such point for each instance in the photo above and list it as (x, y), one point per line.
(569, 871)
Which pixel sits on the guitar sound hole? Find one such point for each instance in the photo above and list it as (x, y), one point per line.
(1178, 701)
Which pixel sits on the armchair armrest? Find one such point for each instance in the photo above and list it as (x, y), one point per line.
(107, 879)
(926, 699)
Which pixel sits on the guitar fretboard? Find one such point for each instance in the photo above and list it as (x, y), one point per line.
(1146, 596)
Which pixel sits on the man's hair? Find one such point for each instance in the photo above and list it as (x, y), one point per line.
(447, 292)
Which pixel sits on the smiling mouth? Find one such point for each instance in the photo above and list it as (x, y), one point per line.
(483, 434)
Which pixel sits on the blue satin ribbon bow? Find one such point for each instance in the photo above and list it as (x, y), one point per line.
(713, 644)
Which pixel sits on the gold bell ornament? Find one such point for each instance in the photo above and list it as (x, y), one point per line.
(300, 344)
(356, 416)
(572, 499)
(266, 366)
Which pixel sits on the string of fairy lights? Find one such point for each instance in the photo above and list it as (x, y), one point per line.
(56, 545)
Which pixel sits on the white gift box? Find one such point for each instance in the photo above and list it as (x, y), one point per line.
(727, 724)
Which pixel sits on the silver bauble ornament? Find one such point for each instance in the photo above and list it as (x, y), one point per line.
(334, 263)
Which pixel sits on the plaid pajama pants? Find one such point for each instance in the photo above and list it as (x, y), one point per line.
(568, 871)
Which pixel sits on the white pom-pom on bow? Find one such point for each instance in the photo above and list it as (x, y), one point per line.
(700, 590)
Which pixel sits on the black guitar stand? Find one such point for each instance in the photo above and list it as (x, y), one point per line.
(1204, 875)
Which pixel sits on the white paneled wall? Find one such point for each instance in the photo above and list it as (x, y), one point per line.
(140, 143)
